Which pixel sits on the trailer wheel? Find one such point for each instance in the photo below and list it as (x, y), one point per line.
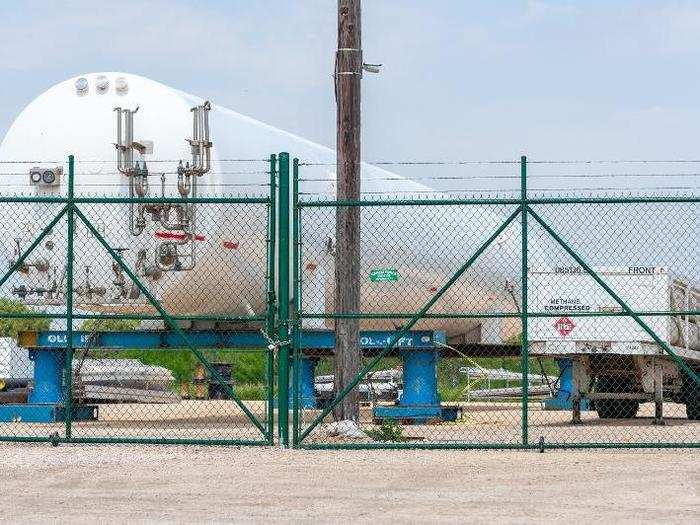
(691, 397)
(615, 408)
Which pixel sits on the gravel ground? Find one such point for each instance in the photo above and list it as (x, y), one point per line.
(81, 484)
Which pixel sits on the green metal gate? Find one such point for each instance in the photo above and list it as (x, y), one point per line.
(428, 273)
(518, 421)
(186, 368)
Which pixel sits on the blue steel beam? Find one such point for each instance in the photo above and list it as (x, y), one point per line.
(312, 339)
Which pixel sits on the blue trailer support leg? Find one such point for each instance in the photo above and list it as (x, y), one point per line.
(420, 400)
(563, 399)
(420, 378)
(48, 376)
(307, 390)
(45, 400)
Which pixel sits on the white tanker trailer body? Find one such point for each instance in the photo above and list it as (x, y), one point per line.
(424, 245)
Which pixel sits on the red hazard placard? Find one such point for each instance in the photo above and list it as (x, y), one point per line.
(564, 326)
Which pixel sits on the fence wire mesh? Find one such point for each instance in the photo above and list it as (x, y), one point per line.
(612, 316)
(154, 317)
(138, 319)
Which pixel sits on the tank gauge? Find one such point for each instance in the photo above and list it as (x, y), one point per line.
(48, 177)
(121, 86)
(81, 86)
(45, 176)
(101, 84)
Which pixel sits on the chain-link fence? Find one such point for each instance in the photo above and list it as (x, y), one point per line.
(603, 289)
(133, 317)
(143, 315)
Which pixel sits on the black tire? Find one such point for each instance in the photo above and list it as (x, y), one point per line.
(691, 397)
(615, 408)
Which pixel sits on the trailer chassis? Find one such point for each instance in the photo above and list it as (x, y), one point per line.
(615, 376)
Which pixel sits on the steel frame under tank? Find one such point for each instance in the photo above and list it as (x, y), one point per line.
(419, 351)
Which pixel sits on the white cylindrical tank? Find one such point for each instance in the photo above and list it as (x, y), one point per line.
(424, 245)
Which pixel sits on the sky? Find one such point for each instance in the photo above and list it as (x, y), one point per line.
(552, 79)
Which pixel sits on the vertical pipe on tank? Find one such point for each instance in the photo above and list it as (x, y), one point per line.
(194, 123)
(129, 138)
(202, 133)
(523, 301)
(120, 142)
(207, 149)
(195, 134)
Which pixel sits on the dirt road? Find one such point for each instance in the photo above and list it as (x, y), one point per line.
(80, 484)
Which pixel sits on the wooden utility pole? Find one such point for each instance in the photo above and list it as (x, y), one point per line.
(348, 74)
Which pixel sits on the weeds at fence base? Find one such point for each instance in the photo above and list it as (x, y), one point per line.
(387, 431)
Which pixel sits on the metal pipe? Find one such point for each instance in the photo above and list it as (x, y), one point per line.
(119, 144)
(129, 139)
(136, 188)
(207, 163)
(200, 157)
(184, 184)
(141, 183)
(20, 260)
(125, 139)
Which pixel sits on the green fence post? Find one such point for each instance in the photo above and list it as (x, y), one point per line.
(271, 309)
(283, 299)
(69, 302)
(296, 314)
(524, 357)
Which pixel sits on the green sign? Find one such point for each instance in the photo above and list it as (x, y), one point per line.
(384, 275)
